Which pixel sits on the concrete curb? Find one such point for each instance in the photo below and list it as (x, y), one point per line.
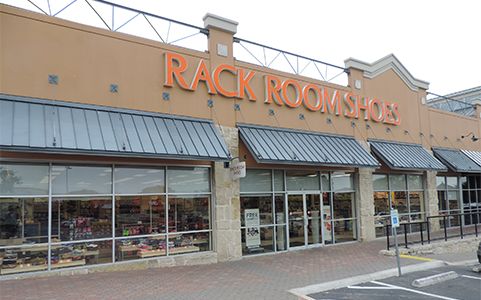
(430, 280)
(302, 292)
(463, 263)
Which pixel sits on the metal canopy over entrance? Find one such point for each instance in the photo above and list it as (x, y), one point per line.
(404, 156)
(456, 160)
(288, 146)
(28, 124)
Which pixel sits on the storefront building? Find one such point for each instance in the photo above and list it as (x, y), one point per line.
(119, 150)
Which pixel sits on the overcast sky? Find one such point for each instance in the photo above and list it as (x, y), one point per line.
(437, 41)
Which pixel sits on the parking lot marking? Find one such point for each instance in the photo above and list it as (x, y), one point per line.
(413, 291)
(472, 277)
(370, 287)
(415, 257)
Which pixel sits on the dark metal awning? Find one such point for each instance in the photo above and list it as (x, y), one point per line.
(456, 160)
(473, 155)
(39, 125)
(404, 156)
(287, 146)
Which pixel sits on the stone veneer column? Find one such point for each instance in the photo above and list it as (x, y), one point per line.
(365, 200)
(227, 233)
(431, 198)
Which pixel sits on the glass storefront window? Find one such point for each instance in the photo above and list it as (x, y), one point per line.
(80, 254)
(139, 215)
(188, 213)
(278, 180)
(342, 182)
(80, 180)
(405, 193)
(326, 183)
(452, 183)
(23, 221)
(146, 247)
(24, 259)
(440, 182)
(344, 231)
(76, 219)
(139, 181)
(381, 203)
(302, 180)
(256, 181)
(400, 202)
(416, 202)
(181, 243)
(266, 241)
(280, 209)
(415, 182)
(82, 206)
(188, 180)
(344, 206)
(17, 179)
(398, 182)
(261, 202)
(380, 182)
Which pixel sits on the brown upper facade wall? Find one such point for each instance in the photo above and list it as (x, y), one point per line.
(87, 60)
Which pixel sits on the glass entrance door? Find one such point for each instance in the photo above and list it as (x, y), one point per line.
(313, 215)
(305, 220)
(297, 227)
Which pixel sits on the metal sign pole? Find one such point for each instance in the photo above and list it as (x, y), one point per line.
(394, 229)
(395, 224)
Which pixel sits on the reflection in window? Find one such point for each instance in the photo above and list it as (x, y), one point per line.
(139, 181)
(256, 181)
(80, 180)
(188, 180)
(398, 182)
(17, 179)
(342, 182)
(380, 182)
(302, 180)
(23, 221)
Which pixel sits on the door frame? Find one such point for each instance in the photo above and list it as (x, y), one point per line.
(305, 219)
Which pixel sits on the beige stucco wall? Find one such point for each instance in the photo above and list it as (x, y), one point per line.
(87, 60)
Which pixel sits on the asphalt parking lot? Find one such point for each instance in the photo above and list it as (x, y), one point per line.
(467, 286)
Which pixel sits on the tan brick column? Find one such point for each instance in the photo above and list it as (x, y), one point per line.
(365, 200)
(227, 233)
(431, 198)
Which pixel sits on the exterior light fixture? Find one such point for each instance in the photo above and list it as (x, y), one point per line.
(473, 137)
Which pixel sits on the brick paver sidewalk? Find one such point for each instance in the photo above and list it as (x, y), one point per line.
(264, 277)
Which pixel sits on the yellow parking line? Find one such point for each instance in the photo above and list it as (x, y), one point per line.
(415, 257)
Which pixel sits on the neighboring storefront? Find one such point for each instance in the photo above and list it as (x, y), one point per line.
(144, 152)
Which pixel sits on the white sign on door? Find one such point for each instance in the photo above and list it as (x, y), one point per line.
(253, 234)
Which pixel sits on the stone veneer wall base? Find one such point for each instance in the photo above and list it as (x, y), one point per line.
(202, 258)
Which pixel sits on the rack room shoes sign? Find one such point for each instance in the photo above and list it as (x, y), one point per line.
(288, 92)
